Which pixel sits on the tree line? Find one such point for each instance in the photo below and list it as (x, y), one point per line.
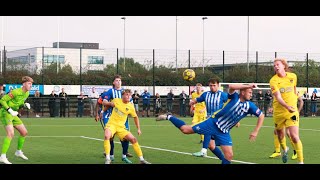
(137, 74)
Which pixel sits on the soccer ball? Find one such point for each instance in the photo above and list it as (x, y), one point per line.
(189, 74)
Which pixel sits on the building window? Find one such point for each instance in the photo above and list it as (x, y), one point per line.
(19, 60)
(32, 59)
(95, 59)
(53, 59)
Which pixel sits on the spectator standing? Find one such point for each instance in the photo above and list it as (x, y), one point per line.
(305, 98)
(37, 103)
(52, 103)
(267, 102)
(259, 99)
(81, 104)
(94, 96)
(314, 104)
(135, 98)
(63, 98)
(145, 102)
(183, 99)
(158, 104)
(170, 98)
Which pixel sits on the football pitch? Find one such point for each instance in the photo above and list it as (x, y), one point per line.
(80, 141)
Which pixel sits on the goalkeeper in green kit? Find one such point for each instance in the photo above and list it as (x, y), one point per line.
(9, 116)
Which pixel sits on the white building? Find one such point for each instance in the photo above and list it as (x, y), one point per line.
(92, 58)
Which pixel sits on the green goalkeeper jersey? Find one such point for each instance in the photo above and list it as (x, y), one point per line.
(14, 100)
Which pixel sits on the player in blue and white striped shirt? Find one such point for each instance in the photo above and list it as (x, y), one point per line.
(221, 122)
(214, 100)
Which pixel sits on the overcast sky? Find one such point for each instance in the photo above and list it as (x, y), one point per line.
(267, 33)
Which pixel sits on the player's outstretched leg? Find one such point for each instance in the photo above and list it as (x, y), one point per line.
(174, 120)
(162, 117)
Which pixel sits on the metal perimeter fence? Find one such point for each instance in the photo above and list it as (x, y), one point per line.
(148, 67)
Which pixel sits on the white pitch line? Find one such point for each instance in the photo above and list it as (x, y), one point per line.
(168, 150)
(48, 136)
(55, 136)
(68, 125)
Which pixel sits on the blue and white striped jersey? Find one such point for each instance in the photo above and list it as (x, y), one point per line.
(214, 101)
(233, 111)
(110, 95)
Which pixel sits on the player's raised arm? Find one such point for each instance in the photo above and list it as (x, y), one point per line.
(233, 87)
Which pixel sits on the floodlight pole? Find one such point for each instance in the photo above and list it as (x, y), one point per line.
(124, 43)
(204, 18)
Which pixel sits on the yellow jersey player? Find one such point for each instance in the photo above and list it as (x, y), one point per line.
(199, 109)
(285, 111)
(116, 124)
(277, 152)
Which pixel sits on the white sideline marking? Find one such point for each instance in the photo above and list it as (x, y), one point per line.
(55, 136)
(49, 136)
(168, 150)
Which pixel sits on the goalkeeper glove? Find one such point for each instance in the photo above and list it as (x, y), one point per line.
(27, 105)
(12, 112)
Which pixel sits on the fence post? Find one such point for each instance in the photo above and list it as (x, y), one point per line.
(117, 61)
(223, 66)
(307, 56)
(256, 66)
(80, 69)
(153, 82)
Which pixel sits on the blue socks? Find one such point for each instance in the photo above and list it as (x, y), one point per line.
(206, 141)
(216, 151)
(125, 147)
(112, 146)
(175, 121)
(225, 161)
